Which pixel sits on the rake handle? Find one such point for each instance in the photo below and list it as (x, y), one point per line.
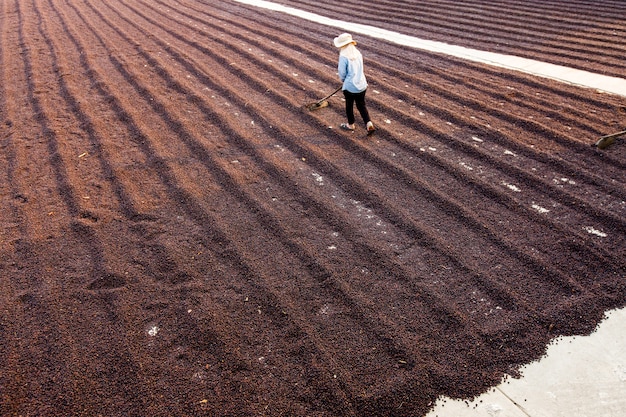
(331, 94)
(614, 135)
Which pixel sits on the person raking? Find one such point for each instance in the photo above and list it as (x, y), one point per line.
(350, 68)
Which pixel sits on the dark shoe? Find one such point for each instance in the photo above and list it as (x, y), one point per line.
(348, 127)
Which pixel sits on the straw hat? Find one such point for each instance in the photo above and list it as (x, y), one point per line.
(343, 40)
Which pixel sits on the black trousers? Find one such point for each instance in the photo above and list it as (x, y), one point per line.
(359, 99)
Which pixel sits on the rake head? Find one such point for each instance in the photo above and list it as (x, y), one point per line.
(606, 141)
(317, 105)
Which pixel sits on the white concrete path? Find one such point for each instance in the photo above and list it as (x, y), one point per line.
(579, 377)
(612, 85)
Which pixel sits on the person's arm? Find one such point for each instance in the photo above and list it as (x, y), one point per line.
(342, 68)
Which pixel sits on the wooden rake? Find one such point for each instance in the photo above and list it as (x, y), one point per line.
(322, 102)
(607, 140)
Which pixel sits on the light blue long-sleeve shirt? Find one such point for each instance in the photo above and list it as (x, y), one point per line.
(351, 73)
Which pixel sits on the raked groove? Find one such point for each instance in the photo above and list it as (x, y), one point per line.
(607, 84)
